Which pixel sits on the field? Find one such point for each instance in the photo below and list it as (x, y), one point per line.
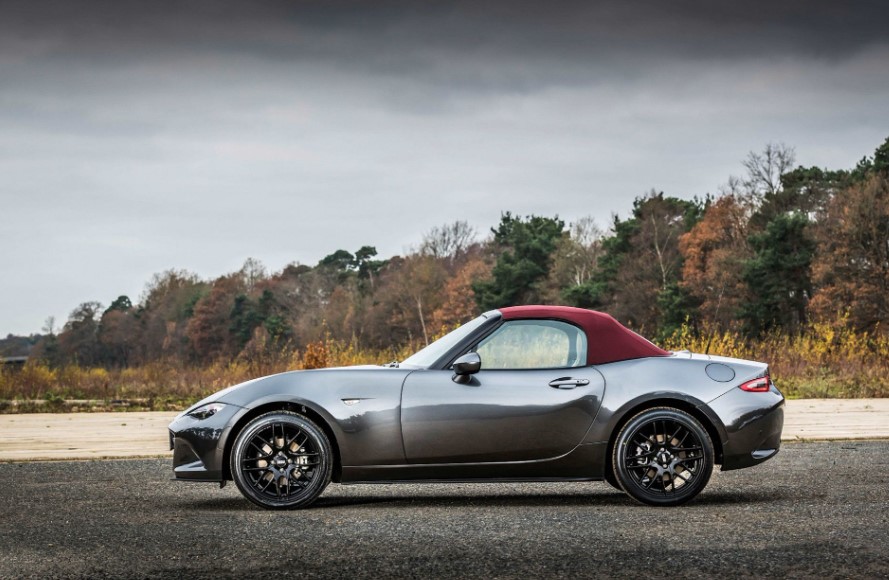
(826, 362)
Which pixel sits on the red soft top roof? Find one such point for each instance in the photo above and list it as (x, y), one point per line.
(607, 339)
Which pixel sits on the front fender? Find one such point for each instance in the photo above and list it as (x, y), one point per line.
(360, 405)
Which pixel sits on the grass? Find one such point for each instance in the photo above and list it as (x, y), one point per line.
(828, 361)
(163, 385)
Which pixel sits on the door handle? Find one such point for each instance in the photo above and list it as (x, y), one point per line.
(568, 383)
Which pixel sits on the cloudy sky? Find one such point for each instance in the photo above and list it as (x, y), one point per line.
(141, 136)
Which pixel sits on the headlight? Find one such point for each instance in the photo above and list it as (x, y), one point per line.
(206, 411)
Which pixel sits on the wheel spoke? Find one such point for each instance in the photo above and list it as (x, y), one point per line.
(268, 482)
(686, 460)
(260, 449)
(674, 435)
(651, 480)
(292, 439)
(646, 466)
(275, 428)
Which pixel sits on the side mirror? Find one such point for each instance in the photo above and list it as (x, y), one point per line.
(468, 364)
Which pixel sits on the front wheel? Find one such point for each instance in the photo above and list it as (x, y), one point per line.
(281, 460)
(663, 456)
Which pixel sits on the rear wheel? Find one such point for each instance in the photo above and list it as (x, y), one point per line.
(281, 460)
(663, 456)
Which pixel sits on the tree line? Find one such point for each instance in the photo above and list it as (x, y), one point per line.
(777, 248)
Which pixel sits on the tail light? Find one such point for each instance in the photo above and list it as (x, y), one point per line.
(758, 385)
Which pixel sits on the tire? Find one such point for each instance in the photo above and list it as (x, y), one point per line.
(281, 460)
(609, 477)
(663, 457)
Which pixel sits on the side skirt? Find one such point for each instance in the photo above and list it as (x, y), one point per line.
(584, 463)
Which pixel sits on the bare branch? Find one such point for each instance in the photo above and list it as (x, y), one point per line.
(764, 170)
(448, 241)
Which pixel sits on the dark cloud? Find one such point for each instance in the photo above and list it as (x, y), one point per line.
(138, 136)
(407, 37)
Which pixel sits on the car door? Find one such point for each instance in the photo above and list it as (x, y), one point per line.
(534, 398)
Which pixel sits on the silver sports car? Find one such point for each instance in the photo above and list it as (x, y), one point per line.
(527, 393)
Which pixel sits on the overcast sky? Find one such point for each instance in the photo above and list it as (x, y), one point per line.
(141, 136)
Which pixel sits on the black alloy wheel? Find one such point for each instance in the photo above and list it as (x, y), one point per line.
(663, 456)
(281, 460)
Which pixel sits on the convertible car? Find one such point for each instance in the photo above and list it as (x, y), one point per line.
(527, 393)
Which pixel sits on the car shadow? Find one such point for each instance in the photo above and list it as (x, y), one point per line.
(470, 501)
(475, 501)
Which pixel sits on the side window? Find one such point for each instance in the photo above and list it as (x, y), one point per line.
(533, 344)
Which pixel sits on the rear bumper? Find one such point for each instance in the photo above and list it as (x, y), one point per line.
(753, 424)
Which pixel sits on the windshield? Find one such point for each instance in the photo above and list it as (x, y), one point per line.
(427, 356)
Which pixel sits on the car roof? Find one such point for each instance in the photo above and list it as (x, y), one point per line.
(607, 339)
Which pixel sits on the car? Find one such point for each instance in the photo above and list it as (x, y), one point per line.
(523, 393)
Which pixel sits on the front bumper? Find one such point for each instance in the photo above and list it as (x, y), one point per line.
(198, 445)
(753, 424)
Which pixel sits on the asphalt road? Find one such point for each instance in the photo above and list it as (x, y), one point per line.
(817, 509)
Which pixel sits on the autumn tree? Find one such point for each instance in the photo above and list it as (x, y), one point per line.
(299, 293)
(166, 305)
(409, 292)
(851, 268)
(118, 331)
(252, 273)
(422, 278)
(209, 330)
(714, 252)
(79, 339)
(458, 300)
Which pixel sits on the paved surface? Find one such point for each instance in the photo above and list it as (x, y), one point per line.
(820, 419)
(37, 436)
(100, 435)
(816, 510)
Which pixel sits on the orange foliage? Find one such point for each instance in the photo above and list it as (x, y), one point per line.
(317, 355)
(851, 267)
(458, 300)
(714, 251)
